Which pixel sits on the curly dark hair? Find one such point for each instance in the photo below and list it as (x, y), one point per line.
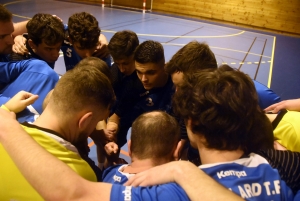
(84, 29)
(192, 57)
(222, 105)
(149, 52)
(45, 27)
(5, 15)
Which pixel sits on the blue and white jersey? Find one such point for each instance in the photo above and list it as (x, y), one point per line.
(114, 175)
(165, 192)
(32, 75)
(252, 178)
(71, 58)
(266, 96)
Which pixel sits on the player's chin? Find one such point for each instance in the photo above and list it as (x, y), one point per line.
(147, 87)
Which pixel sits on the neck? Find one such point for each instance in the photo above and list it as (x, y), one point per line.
(64, 128)
(209, 156)
(137, 165)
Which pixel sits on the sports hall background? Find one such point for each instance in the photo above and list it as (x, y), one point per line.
(278, 19)
(259, 37)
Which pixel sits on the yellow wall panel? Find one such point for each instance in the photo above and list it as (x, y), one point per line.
(280, 15)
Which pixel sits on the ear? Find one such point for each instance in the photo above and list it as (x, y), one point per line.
(31, 44)
(177, 151)
(85, 120)
(129, 146)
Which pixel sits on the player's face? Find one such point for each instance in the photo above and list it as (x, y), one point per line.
(151, 75)
(126, 65)
(48, 53)
(6, 40)
(84, 52)
(177, 78)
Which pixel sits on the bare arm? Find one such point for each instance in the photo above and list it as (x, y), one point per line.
(20, 101)
(292, 104)
(62, 180)
(193, 180)
(20, 28)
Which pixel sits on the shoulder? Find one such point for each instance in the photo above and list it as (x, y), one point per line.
(170, 191)
(110, 171)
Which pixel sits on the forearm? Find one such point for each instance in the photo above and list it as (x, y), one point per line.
(36, 164)
(26, 160)
(195, 182)
(20, 28)
(113, 123)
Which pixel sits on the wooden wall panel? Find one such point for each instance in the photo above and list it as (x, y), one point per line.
(279, 15)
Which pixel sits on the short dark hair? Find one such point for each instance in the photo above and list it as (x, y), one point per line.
(98, 63)
(45, 27)
(81, 87)
(191, 57)
(222, 105)
(123, 44)
(154, 135)
(84, 29)
(149, 51)
(5, 15)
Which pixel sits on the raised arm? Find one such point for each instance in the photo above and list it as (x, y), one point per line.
(20, 28)
(40, 173)
(197, 184)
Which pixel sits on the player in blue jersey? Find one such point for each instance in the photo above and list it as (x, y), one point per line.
(157, 87)
(155, 137)
(197, 56)
(84, 40)
(226, 125)
(32, 75)
(126, 83)
(43, 40)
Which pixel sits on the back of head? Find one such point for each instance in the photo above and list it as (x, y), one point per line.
(81, 88)
(191, 57)
(5, 15)
(47, 28)
(149, 52)
(222, 105)
(98, 63)
(123, 44)
(84, 29)
(154, 135)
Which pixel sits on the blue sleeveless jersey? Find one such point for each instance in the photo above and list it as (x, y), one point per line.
(252, 178)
